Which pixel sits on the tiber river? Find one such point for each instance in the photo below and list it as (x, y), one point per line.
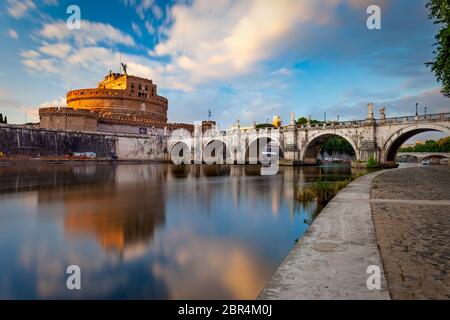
(150, 231)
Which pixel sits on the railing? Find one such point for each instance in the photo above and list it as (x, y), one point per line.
(392, 120)
(436, 116)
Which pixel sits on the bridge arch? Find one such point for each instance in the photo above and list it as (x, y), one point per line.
(309, 153)
(216, 151)
(398, 138)
(258, 145)
(180, 152)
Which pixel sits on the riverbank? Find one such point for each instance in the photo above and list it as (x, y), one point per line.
(395, 219)
(411, 214)
(331, 259)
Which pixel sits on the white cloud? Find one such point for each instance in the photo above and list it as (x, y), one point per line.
(59, 102)
(12, 34)
(51, 2)
(32, 113)
(226, 38)
(59, 50)
(141, 6)
(91, 33)
(282, 72)
(18, 8)
(136, 29)
(29, 54)
(149, 27)
(40, 65)
(157, 12)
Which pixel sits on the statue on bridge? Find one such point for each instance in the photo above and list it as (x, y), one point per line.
(383, 114)
(292, 122)
(370, 111)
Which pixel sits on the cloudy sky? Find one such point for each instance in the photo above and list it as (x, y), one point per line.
(243, 59)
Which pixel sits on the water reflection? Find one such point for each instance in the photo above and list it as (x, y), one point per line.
(149, 231)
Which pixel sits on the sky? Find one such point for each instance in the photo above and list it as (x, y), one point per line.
(246, 60)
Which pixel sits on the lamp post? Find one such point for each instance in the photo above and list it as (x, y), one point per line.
(417, 108)
(325, 117)
(425, 112)
(337, 118)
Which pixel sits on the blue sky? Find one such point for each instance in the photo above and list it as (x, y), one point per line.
(243, 59)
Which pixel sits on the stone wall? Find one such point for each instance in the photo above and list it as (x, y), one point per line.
(128, 129)
(30, 142)
(68, 119)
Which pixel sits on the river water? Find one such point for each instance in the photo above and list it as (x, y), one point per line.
(150, 231)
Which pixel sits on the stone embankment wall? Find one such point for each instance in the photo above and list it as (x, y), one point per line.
(336, 155)
(29, 142)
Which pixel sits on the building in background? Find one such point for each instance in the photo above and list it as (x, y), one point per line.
(276, 121)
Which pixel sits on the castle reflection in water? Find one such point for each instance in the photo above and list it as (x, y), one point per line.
(151, 231)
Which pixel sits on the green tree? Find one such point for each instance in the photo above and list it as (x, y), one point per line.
(337, 144)
(442, 145)
(440, 13)
(264, 125)
(302, 121)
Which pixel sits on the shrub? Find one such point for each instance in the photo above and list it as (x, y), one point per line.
(372, 163)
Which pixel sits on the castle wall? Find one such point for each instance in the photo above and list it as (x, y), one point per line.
(141, 148)
(128, 129)
(121, 94)
(68, 119)
(150, 109)
(31, 142)
(63, 122)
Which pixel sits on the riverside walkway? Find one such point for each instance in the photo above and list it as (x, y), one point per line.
(397, 220)
(411, 214)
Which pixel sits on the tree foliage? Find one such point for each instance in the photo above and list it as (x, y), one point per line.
(302, 121)
(337, 144)
(264, 125)
(440, 13)
(442, 145)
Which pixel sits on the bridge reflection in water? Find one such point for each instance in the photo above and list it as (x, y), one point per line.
(149, 231)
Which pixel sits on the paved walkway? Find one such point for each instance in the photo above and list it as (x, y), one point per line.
(411, 214)
(331, 259)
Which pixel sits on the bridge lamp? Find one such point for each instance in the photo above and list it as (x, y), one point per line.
(417, 108)
(325, 117)
(425, 111)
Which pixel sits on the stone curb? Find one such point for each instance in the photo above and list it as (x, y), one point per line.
(331, 259)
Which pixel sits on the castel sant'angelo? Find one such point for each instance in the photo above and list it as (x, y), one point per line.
(121, 103)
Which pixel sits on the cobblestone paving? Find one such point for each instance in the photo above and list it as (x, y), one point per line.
(414, 240)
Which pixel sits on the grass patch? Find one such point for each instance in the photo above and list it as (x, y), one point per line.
(322, 191)
(372, 163)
